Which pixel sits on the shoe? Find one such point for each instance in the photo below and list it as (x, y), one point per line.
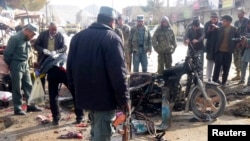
(218, 81)
(246, 90)
(20, 113)
(223, 85)
(78, 121)
(237, 77)
(241, 82)
(33, 109)
(55, 122)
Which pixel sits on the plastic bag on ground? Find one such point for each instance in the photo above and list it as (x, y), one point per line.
(37, 93)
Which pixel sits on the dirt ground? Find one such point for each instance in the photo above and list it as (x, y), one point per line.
(29, 128)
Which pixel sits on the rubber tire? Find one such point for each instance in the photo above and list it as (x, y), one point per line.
(214, 115)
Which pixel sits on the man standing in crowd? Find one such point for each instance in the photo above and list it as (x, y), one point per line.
(16, 56)
(164, 44)
(241, 25)
(48, 44)
(97, 71)
(224, 49)
(194, 38)
(211, 30)
(140, 45)
(245, 59)
(126, 32)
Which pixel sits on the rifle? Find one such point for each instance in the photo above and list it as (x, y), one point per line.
(127, 126)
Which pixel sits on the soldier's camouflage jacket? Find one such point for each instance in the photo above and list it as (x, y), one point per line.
(164, 40)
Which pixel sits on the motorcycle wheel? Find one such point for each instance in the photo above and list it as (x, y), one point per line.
(202, 108)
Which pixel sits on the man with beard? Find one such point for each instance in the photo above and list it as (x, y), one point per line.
(241, 25)
(164, 44)
(140, 44)
(49, 44)
(126, 31)
(16, 56)
(211, 29)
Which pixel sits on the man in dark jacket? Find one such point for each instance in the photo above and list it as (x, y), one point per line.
(224, 49)
(211, 30)
(97, 71)
(49, 43)
(194, 38)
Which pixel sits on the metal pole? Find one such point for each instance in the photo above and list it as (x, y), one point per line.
(46, 12)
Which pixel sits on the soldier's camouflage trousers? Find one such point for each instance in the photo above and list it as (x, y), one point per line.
(128, 60)
(164, 61)
(237, 60)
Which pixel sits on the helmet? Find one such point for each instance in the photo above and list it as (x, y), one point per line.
(58, 60)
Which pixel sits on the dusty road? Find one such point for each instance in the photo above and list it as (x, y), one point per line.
(28, 128)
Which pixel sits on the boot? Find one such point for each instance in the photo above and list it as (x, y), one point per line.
(237, 77)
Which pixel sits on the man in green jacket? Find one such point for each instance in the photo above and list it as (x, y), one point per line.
(140, 44)
(164, 44)
(16, 56)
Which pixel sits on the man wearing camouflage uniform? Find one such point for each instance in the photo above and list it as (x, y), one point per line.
(241, 25)
(164, 44)
(140, 44)
(125, 31)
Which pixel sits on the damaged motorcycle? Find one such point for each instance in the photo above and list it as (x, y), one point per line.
(183, 88)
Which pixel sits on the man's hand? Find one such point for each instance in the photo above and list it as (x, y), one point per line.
(126, 108)
(172, 49)
(195, 41)
(46, 52)
(53, 53)
(187, 42)
(149, 53)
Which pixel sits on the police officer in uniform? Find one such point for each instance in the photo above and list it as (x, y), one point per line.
(16, 56)
(164, 44)
(140, 44)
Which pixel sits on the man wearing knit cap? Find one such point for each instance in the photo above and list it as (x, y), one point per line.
(241, 25)
(97, 72)
(211, 29)
(164, 44)
(140, 45)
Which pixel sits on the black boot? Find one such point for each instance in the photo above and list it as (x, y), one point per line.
(33, 109)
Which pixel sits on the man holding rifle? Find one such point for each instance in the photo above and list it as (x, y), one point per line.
(97, 71)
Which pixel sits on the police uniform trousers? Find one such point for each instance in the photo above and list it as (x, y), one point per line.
(21, 79)
(140, 57)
